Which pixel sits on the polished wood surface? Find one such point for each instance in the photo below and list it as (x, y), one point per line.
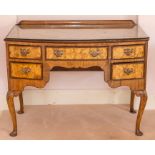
(26, 70)
(76, 53)
(24, 52)
(126, 52)
(128, 71)
(11, 106)
(109, 23)
(77, 24)
(122, 58)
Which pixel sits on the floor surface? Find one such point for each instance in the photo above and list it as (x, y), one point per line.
(78, 122)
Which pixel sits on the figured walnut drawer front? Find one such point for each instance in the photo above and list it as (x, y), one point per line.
(127, 71)
(125, 52)
(76, 53)
(24, 52)
(26, 70)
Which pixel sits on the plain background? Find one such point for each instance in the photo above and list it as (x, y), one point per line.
(80, 7)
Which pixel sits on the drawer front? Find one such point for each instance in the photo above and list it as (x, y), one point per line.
(125, 52)
(127, 71)
(25, 52)
(26, 70)
(76, 53)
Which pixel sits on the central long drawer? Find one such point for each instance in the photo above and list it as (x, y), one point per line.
(76, 53)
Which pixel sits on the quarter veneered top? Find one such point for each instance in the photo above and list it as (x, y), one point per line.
(86, 30)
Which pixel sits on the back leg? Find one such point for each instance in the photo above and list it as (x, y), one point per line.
(132, 102)
(21, 111)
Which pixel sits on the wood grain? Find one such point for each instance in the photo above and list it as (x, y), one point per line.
(26, 70)
(77, 53)
(127, 71)
(10, 101)
(77, 23)
(24, 52)
(124, 52)
(143, 100)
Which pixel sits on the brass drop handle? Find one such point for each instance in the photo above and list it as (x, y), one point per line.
(26, 70)
(94, 53)
(24, 52)
(58, 53)
(128, 71)
(128, 51)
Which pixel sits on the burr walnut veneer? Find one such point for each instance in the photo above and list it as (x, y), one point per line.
(117, 47)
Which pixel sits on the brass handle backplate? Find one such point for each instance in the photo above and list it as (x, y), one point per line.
(26, 70)
(128, 51)
(94, 53)
(24, 52)
(58, 53)
(128, 71)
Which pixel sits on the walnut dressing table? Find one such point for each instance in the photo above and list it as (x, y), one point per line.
(117, 47)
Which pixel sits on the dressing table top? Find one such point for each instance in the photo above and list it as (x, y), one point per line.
(91, 30)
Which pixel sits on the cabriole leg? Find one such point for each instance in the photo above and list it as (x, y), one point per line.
(10, 101)
(21, 111)
(132, 110)
(143, 100)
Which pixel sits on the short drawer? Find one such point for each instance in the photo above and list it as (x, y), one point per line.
(24, 52)
(26, 70)
(126, 52)
(76, 53)
(128, 71)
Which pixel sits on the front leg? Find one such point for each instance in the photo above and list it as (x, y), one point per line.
(143, 100)
(10, 101)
